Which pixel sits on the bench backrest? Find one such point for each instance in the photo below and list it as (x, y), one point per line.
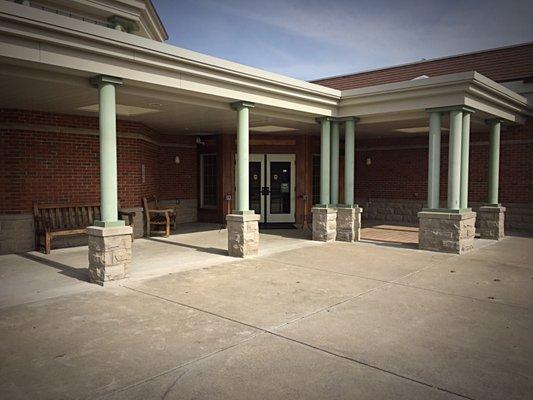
(150, 203)
(63, 216)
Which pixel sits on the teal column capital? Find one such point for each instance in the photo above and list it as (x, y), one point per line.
(347, 119)
(100, 80)
(320, 120)
(494, 121)
(447, 109)
(239, 105)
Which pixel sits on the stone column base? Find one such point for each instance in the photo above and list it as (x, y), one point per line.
(109, 253)
(243, 234)
(324, 224)
(349, 224)
(491, 222)
(446, 232)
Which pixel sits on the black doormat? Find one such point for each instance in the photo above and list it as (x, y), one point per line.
(276, 225)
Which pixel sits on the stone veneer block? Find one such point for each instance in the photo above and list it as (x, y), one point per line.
(491, 221)
(243, 234)
(109, 253)
(349, 224)
(324, 224)
(446, 232)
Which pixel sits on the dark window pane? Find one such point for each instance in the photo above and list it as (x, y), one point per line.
(209, 180)
(255, 186)
(280, 188)
(316, 179)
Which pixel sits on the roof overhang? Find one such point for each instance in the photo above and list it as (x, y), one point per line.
(49, 41)
(41, 40)
(470, 89)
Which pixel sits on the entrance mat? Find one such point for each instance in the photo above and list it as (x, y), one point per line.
(276, 225)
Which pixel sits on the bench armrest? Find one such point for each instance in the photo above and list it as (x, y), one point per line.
(161, 211)
(129, 216)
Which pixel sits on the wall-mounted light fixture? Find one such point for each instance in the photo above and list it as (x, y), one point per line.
(368, 161)
(177, 160)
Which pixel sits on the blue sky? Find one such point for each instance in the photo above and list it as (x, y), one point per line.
(314, 39)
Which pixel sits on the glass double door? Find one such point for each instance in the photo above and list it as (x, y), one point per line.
(273, 187)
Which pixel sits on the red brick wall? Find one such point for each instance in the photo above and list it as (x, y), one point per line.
(505, 64)
(53, 167)
(402, 173)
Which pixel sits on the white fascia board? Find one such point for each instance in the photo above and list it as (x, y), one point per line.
(175, 58)
(407, 85)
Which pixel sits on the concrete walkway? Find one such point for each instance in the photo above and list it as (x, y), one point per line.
(32, 276)
(332, 321)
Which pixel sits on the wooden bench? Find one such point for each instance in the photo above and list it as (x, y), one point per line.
(158, 215)
(53, 220)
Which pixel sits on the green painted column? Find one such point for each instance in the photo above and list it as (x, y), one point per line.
(325, 138)
(454, 160)
(108, 150)
(494, 160)
(349, 162)
(334, 171)
(242, 182)
(465, 152)
(434, 160)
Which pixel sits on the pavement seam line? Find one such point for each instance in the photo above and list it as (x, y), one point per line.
(273, 333)
(397, 282)
(173, 369)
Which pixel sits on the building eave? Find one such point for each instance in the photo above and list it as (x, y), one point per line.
(466, 89)
(125, 55)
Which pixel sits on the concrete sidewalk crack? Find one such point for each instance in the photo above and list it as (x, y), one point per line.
(279, 335)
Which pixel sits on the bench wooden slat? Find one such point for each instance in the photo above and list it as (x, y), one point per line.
(53, 220)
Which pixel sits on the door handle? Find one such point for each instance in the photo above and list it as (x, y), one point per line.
(265, 190)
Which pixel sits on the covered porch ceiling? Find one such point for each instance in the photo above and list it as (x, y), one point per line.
(46, 61)
(23, 87)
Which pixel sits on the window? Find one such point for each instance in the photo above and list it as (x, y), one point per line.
(208, 180)
(316, 179)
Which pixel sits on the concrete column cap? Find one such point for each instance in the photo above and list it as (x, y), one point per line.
(447, 215)
(243, 217)
(323, 210)
(112, 231)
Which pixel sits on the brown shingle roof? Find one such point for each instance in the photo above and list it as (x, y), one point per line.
(500, 65)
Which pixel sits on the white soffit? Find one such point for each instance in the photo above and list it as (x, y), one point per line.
(271, 128)
(122, 109)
